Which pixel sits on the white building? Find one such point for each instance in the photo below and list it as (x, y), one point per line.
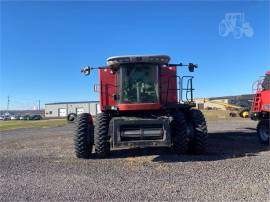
(62, 109)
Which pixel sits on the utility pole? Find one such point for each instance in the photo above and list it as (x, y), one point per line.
(8, 101)
(38, 105)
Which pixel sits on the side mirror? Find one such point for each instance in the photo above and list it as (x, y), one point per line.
(96, 88)
(192, 66)
(86, 70)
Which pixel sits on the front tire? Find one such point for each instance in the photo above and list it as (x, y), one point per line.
(263, 130)
(198, 143)
(83, 136)
(179, 133)
(102, 144)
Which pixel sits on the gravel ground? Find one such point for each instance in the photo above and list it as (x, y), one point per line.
(39, 164)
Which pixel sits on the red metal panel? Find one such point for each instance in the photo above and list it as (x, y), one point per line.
(168, 85)
(168, 92)
(107, 88)
(145, 106)
(260, 99)
(256, 104)
(265, 96)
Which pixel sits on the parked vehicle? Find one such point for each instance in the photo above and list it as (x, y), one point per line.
(35, 117)
(21, 118)
(261, 108)
(14, 117)
(144, 103)
(6, 118)
(25, 117)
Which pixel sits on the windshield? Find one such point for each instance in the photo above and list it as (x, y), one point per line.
(266, 82)
(138, 83)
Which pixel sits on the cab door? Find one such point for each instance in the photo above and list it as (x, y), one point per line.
(107, 88)
(168, 85)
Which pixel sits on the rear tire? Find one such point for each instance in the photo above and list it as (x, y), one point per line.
(179, 133)
(263, 130)
(198, 143)
(83, 136)
(102, 144)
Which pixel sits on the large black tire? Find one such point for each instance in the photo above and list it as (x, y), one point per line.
(179, 133)
(198, 143)
(83, 136)
(263, 130)
(102, 144)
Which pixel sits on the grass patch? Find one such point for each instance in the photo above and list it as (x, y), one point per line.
(210, 115)
(14, 124)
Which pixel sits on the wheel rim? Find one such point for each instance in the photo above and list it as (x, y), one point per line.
(71, 118)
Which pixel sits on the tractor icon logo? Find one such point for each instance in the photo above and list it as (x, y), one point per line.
(235, 23)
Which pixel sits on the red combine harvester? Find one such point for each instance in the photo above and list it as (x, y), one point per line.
(261, 108)
(143, 103)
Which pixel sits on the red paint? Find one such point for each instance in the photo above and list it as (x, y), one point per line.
(261, 98)
(108, 88)
(146, 106)
(167, 81)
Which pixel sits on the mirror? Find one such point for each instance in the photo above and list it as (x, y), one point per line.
(191, 67)
(86, 70)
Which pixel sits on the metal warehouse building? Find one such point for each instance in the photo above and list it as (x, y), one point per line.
(62, 109)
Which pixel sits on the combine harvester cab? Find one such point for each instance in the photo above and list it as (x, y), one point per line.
(261, 108)
(143, 103)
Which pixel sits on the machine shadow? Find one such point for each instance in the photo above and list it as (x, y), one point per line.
(221, 145)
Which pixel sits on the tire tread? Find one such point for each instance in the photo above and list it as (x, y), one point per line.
(102, 145)
(179, 133)
(83, 136)
(198, 144)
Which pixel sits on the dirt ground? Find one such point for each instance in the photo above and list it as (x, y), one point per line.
(39, 164)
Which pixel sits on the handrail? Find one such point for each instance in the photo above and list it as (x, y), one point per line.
(189, 89)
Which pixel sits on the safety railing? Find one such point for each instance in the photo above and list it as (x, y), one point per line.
(184, 94)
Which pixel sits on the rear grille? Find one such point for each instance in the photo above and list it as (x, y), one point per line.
(145, 132)
(140, 132)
